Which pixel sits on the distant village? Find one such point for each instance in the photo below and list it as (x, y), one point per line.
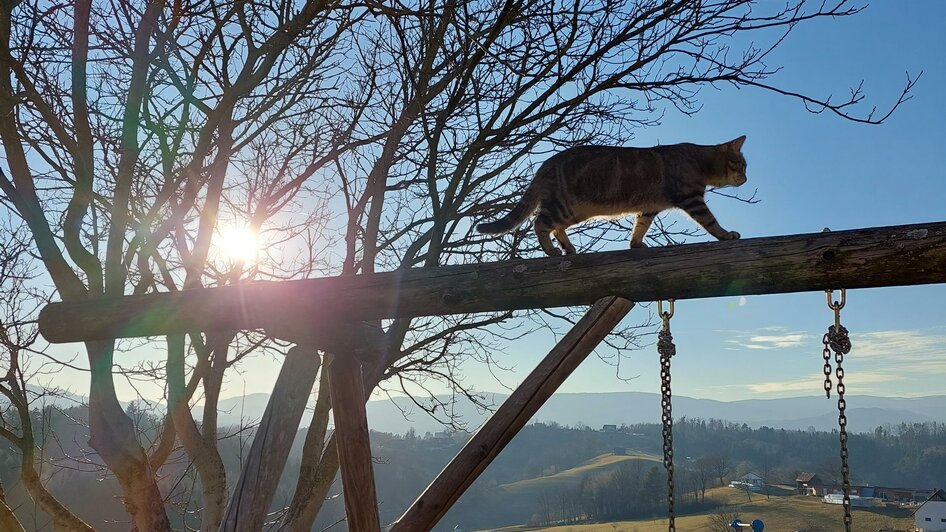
(930, 504)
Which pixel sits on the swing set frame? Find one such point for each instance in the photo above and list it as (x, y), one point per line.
(338, 315)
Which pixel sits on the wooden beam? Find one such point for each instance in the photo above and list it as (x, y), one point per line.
(263, 468)
(513, 414)
(862, 258)
(353, 444)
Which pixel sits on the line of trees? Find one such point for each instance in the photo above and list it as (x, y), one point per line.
(352, 137)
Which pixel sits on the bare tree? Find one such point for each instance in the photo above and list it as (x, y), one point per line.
(768, 476)
(721, 466)
(127, 155)
(544, 508)
(721, 520)
(18, 333)
(703, 474)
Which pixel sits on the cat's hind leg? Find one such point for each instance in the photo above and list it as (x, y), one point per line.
(641, 225)
(543, 228)
(563, 240)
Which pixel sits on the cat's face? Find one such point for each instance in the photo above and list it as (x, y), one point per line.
(731, 165)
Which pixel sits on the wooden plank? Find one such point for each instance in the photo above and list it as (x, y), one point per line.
(862, 258)
(514, 413)
(259, 479)
(353, 444)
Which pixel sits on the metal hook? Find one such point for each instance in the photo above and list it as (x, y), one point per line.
(665, 316)
(836, 306)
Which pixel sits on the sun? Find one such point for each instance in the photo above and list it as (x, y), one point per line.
(239, 244)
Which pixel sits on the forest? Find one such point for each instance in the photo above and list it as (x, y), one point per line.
(709, 453)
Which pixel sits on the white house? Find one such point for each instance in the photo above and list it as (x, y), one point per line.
(749, 480)
(931, 515)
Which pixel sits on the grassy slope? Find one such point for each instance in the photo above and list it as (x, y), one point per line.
(780, 513)
(572, 477)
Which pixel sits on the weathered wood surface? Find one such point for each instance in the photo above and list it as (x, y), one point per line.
(263, 468)
(862, 258)
(353, 445)
(513, 414)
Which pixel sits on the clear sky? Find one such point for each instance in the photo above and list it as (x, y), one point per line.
(811, 171)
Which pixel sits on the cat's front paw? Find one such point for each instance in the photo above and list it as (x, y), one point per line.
(732, 235)
(553, 252)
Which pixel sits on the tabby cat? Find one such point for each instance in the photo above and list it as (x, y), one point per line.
(606, 181)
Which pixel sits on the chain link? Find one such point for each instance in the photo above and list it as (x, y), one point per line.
(838, 341)
(826, 354)
(667, 349)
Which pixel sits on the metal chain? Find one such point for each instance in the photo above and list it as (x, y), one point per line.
(837, 340)
(666, 349)
(826, 354)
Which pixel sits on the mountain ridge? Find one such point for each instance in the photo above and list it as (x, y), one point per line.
(865, 412)
(595, 409)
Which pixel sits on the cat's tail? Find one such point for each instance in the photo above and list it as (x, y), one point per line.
(514, 218)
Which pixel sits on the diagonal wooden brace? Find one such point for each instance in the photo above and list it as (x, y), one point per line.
(514, 413)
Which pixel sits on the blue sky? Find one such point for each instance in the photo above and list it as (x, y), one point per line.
(811, 171)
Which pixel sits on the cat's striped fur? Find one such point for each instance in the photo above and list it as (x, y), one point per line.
(606, 181)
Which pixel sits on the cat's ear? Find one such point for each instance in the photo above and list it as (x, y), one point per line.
(734, 145)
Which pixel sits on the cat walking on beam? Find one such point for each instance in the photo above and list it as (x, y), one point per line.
(610, 182)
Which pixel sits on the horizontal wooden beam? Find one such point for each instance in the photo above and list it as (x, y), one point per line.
(861, 258)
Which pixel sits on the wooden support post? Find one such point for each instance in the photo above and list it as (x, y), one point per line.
(353, 444)
(254, 491)
(862, 258)
(514, 413)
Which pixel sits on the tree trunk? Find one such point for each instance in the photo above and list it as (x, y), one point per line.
(305, 504)
(112, 435)
(204, 454)
(8, 521)
(304, 517)
(63, 519)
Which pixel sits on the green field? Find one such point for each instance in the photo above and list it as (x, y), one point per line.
(570, 478)
(779, 513)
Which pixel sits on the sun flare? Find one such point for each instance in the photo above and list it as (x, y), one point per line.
(239, 244)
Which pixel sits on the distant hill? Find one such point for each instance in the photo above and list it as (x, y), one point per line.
(596, 409)
(398, 415)
(247, 409)
(570, 478)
